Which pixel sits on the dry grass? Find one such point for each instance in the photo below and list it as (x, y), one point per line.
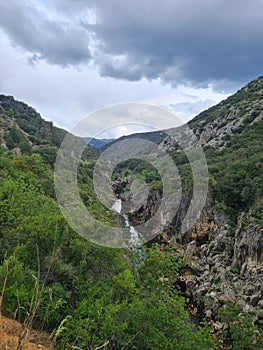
(14, 336)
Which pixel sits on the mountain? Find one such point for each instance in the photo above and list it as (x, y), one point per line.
(81, 293)
(221, 123)
(21, 123)
(224, 248)
(23, 130)
(218, 124)
(153, 136)
(97, 143)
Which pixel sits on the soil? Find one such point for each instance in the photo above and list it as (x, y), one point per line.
(11, 331)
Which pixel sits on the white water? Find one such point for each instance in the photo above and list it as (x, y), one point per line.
(117, 206)
(134, 240)
(134, 234)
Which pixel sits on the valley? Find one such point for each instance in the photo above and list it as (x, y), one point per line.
(199, 289)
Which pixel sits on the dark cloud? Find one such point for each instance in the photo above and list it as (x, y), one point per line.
(57, 42)
(181, 41)
(190, 41)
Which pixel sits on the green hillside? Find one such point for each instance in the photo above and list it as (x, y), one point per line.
(84, 295)
(23, 129)
(92, 297)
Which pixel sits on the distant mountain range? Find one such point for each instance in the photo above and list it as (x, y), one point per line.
(97, 143)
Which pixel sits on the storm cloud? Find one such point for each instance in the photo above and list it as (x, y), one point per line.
(59, 42)
(192, 42)
(180, 41)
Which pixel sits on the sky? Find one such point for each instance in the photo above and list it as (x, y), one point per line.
(70, 58)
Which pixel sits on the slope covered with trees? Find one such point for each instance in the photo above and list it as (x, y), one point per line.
(92, 297)
(86, 296)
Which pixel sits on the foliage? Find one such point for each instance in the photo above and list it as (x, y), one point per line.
(241, 332)
(85, 295)
(14, 137)
(137, 310)
(27, 130)
(92, 297)
(236, 172)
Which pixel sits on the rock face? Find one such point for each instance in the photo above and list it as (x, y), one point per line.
(222, 265)
(224, 262)
(215, 126)
(223, 253)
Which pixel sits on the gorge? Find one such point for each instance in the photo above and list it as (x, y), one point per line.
(85, 295)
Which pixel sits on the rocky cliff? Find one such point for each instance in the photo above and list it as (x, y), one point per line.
(224, 248)
(226, 267)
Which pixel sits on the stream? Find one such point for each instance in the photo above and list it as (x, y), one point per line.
(134, 238)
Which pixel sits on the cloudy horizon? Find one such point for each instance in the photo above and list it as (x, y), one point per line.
(68, 59)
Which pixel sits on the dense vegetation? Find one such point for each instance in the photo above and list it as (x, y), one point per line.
(247, 99)
(237, 172)
(85, 295)
(23, 128)
(90, 297)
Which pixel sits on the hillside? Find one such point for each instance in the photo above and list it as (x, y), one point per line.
(231, 135)
(97, 143)
(23, 130)
(84, 295)
(88, 296)
(224, 249)
(218, 124)
(153, 136)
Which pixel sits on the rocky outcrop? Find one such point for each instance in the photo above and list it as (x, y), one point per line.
(215, 126)
(223, 263)
(226, 267)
